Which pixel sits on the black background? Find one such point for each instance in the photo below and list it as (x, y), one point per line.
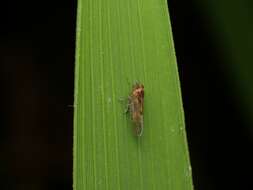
(37, 41)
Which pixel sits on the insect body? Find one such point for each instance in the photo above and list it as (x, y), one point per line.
(135, 107)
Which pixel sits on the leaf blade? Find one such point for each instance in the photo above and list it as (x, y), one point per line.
(117, 42)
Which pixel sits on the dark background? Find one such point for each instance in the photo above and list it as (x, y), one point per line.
(37, 41)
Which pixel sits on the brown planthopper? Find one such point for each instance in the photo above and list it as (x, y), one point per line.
(135, 107)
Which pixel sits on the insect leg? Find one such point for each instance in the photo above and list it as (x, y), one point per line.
(127, 110)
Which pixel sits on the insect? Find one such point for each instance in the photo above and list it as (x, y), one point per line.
(135, 107)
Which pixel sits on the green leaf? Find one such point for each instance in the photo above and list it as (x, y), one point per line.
(118, 43)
